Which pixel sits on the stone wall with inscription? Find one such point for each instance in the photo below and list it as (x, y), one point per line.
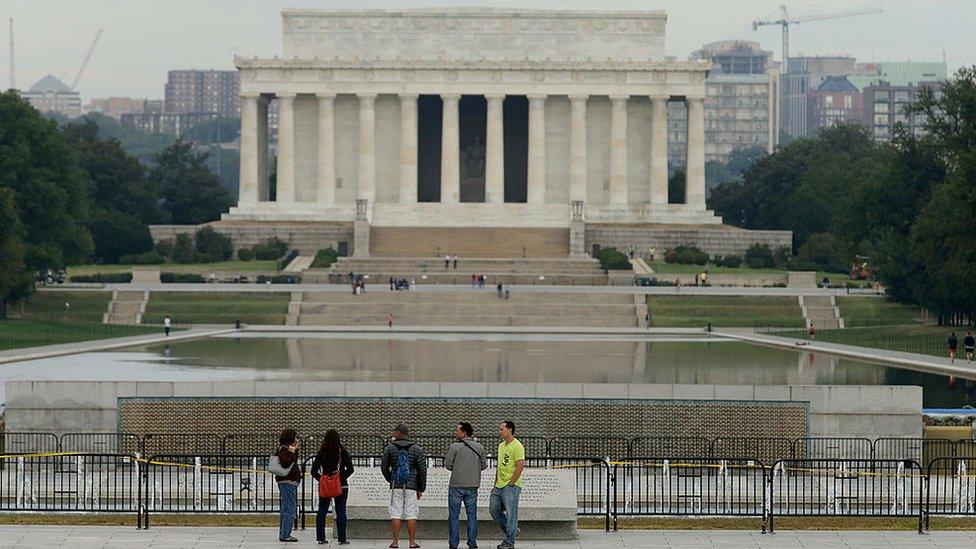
(479, 34)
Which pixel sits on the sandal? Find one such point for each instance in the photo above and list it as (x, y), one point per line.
(394, 546)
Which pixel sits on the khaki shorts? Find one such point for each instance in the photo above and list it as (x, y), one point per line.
(403, 504)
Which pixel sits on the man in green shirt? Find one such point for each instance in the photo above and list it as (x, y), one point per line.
(508, 484)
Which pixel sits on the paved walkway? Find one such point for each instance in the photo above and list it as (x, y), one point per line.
(912, 361)
(212, 538)
(48, 351)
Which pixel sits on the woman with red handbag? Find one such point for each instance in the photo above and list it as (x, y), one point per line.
(331, 469)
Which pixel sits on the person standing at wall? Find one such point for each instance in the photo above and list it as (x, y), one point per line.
(465, 460)
(508, 484)
(334, 465)
(288, 482)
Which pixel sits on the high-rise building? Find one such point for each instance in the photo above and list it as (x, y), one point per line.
(805, 76)
(835, 101)
(742, 105)
(203, 91)
(886, 104)
(115, 107)
(49, 94)
(172, 123)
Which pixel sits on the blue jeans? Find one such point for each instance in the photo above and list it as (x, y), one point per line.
(504, 510)
(454, 498)
(340, 516)
(288, 496)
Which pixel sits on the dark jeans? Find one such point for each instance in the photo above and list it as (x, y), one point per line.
(454, 498)
(340, 516)
(289, 508)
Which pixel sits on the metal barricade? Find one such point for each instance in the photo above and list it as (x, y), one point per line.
(922, 450)
(951, 488)
(691, 486)
(833, 448)
(78, 482)
(100, 443)
(266, 444)
(846, 488)
(210, 484)
(698, 447)
(594, 485)
(764, 449)
(181, 444)
(613, 447)
(17, 442)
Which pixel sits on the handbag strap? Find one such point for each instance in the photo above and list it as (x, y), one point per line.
(472, 449)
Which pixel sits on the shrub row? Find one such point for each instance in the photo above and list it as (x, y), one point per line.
(325, 258)
(107, 278)
(613, 259)
(272, 248)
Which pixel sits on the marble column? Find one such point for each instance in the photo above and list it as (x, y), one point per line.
(264, 182)
(495, 150)
(695, 164)
(536, 192)
(451, 151)
(659, 150)
(577, 148)
(366, 189)
(248, 189)
(326, 165)
(286, 149)
(408, 149)
(618, 150)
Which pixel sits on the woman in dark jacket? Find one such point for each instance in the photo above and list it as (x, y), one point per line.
(288, 485)
(332, 457)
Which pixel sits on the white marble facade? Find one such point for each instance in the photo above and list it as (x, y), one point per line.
(596, 83)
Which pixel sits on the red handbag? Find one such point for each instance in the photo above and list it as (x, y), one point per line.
(330, 486)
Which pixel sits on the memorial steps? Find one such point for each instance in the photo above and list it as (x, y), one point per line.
(821, 311)
(491, 242)
(126, 307)
(474, 308)
(431, 270)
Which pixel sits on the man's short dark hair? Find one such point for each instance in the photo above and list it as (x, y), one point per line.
(287, 437)
(402, 429)
(466, 427)
(510, 425)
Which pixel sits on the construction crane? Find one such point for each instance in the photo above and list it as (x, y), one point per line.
(784, 21)
(88, 55)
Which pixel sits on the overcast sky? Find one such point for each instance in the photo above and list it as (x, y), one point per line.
(145, 38)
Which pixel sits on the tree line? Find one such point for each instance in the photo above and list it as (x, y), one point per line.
(70, 196)
(908, 205)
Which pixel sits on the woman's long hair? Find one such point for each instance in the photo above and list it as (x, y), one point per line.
(331, 446)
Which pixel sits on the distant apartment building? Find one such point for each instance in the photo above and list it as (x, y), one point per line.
(51, 95)
(835, 101)
(805, 76)
(115, 107)
(742, 105)
(167, 122)
(885, 105)
(203, 91)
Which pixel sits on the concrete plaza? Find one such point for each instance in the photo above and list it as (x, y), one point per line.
(213, 538)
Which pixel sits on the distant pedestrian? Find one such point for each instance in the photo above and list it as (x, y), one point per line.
(455, 258)
(647, 319)
(704, 278)
(167, 324)
(447, 261)
(481, 282)
(288, 482)
(506, 291)
(404, 466)
(969, 343)
(499, 290)
(504, 501)
(390, 317)
(465, 460)
(392, 287)
(812, 330)
(331, 470)
(677, 285)
(953, 345)
(825, 283)
(474, 281)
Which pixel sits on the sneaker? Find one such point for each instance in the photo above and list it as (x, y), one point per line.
(504, 545)
(323, 541)
(289, 539)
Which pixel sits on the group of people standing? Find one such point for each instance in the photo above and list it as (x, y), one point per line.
(449, 259)
(404, 466)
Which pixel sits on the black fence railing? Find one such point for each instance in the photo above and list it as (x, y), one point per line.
(951, 488)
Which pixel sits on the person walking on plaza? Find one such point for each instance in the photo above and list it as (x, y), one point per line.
(504, 500)
(404, 466)
(812, 330)
(331, 470)
(167, 324)
(953, 345)
(465, 460)
(455, 258)
(287, 454)
(969, 344)
(390, 317)
(447, 261)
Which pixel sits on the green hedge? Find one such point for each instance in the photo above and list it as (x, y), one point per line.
(613, 259)
(325, 258)
(108, 278)
(181, 278)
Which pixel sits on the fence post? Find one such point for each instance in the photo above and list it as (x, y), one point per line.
(611, 484)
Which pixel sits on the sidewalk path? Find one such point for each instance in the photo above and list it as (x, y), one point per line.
(213, 538)
(48, 351)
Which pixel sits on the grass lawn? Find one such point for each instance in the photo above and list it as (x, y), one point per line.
(662, 267)
(924, 339)
(217, 307)
(724, 311)
(242, 266)
(85, 306)
(17, 334)
(877, 311)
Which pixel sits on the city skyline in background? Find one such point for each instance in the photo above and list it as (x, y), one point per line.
(141, 42)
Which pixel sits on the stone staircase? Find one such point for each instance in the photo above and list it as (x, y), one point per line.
(821, 311)
(299, 264)
(126, 307)
(467, 308)
(585, 272)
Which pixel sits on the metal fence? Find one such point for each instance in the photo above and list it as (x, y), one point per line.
(951, 487)
(848, 488)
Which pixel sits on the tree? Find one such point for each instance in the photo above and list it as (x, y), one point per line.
(15, 279)
(47, 185)
(117, 234)
(740, 160)
(190, 192)
(216, 246)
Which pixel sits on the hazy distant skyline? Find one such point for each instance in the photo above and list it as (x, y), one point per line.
(145, 38)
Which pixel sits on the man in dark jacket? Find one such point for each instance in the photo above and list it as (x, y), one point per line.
(404, 466)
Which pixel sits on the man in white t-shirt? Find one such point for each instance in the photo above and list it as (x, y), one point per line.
(167, 323)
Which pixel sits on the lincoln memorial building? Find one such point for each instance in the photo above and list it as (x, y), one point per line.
(480, 131)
